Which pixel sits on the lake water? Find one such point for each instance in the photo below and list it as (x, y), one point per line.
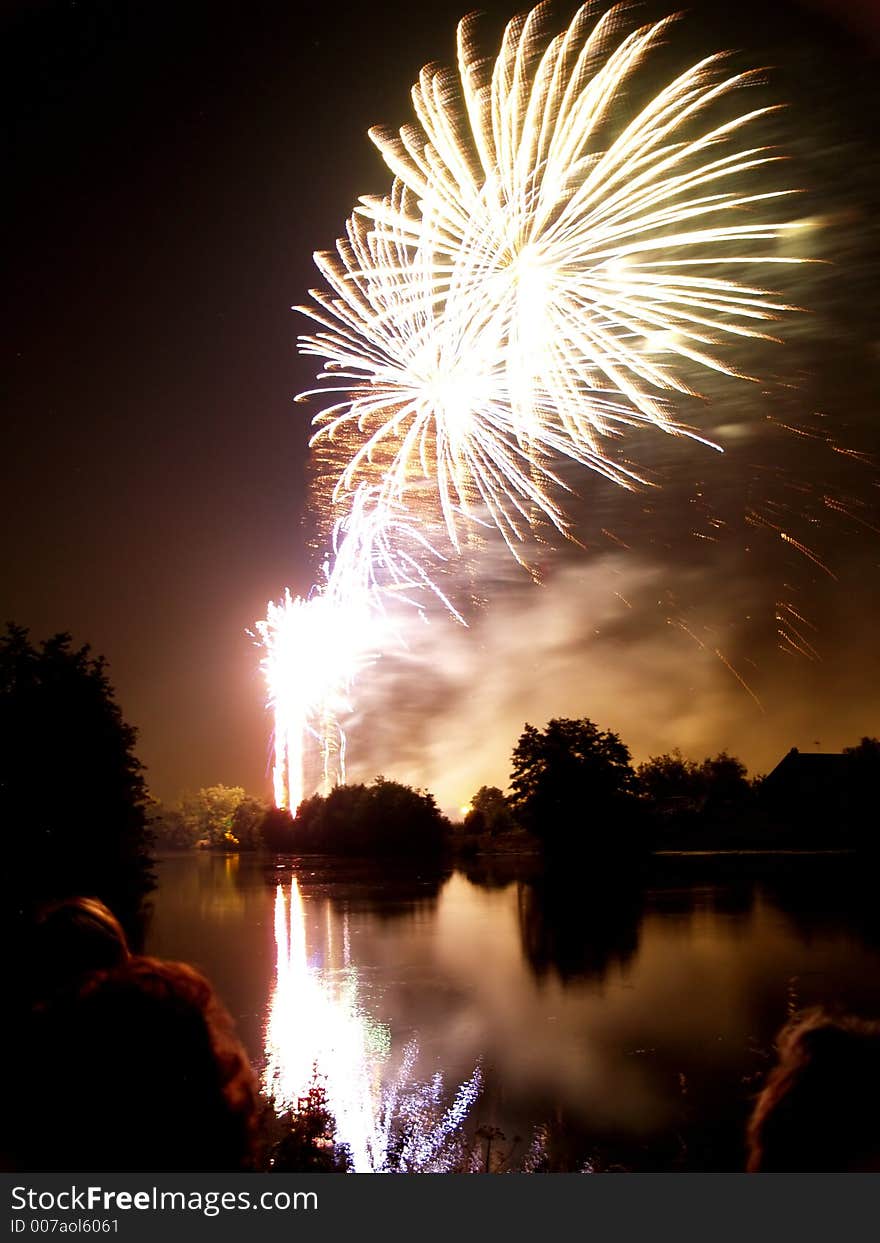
(594, 1025)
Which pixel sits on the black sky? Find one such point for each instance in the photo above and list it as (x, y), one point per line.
(170, 168)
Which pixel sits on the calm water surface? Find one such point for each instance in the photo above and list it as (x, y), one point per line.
(613, 1025)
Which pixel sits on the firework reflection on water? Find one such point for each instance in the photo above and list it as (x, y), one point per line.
(319, 1029)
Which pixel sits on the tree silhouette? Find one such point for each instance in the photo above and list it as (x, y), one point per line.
(489, 812)
(572, 777)
(276, 830)
(309, 1144)
(867, 751)
(385, 818)
(691, 804)
(725, 781)
(170, 828)
(72, 794)
(671, 783)
(247, 822)
(863, 764)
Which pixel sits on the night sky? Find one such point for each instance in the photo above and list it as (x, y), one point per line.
(170, 169)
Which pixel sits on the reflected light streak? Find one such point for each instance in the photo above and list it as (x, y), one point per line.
(317, 1026)
(316, 1022)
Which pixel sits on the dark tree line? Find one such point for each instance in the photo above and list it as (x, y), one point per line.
(73, 800)
(77, 818)
(384, 818)
(575, 790)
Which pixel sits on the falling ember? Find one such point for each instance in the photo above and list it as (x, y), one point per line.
(743, 683)
(677, 621)
(806, 552)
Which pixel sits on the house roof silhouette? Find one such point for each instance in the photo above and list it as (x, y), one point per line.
(810, 774)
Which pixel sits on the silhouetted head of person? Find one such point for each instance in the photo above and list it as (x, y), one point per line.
(142, 1071)
(69, 941)
(819, 1110)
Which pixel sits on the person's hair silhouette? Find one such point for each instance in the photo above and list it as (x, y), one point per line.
(70, 940)
(820, 1107)
(141, 1070)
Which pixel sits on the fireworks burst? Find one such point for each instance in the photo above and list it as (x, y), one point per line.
(540, 271)
(546, 270)
(315, 647)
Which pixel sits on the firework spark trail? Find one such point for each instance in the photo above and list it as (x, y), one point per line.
(806, 552)
(677, 621)
(790, 635)
(831, 502)
(743, 683)
(314, 648)
(543, 273)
